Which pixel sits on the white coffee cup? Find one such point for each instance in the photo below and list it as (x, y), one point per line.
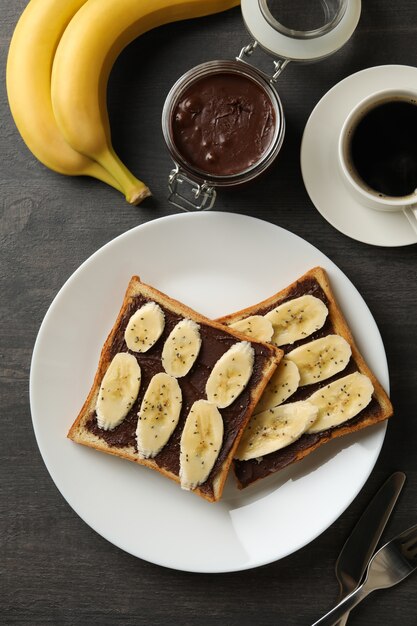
(364, 194)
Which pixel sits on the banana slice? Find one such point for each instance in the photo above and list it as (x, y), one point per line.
(181, 348)
(297, 319)
(283, 383)
(256, 326)
(145, 327)
(321, 359)
(340, 401)
(275, 429)
(230, 374)
(200, 445)
(158, 415)
(118, 390)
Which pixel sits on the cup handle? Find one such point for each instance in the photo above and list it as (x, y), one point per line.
(411, 214)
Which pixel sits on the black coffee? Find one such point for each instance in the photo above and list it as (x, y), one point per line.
(384, 148)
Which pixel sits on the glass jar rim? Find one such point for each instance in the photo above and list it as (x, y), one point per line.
(302, 34)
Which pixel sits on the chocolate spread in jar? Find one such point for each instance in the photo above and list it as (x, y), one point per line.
(223, 124)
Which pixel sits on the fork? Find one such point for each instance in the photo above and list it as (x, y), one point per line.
(389, 566)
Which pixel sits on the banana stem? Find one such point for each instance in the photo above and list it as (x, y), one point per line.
(134, 189)
(95, 170)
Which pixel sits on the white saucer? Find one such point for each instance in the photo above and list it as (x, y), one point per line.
(320, 168)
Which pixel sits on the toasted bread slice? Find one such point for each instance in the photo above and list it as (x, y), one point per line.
(216, 340)
(315, 282)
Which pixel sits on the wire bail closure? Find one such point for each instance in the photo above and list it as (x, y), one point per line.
(279, 64)
(186, 194)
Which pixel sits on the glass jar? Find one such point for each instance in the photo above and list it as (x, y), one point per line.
(221, 123)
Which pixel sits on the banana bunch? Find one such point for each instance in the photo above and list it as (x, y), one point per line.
(58, 66)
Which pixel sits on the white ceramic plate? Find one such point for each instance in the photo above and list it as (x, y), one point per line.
(319, 163)
(215, 263)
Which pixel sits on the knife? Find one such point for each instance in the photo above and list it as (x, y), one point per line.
(360, 545)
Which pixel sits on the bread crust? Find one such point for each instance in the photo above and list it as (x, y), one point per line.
(79, 431)
(340, 326)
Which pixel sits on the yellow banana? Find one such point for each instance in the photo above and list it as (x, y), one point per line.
(85, 55)
(28, 78)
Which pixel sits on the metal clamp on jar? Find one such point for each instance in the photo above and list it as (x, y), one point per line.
(223, 121)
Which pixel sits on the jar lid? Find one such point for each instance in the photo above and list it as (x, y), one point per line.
(294, 45)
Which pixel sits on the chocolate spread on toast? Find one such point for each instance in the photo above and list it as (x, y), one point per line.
(214, 343)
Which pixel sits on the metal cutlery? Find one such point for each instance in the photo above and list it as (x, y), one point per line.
(360, 545)
(396, 560)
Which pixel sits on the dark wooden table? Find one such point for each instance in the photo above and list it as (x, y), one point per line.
(54, 568)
